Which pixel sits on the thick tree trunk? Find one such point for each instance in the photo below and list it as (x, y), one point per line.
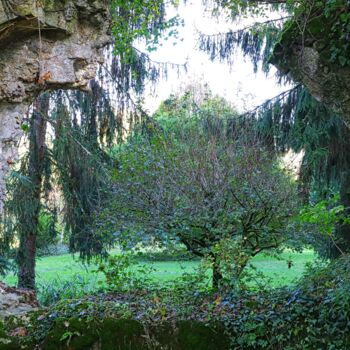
(31, 196)
(26, 259)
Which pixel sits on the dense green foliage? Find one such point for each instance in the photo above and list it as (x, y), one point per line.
(340, 31)
(135, 20)
(61, 277)
(203, 181)
(314, 314)
(295, 120)
(69, 171)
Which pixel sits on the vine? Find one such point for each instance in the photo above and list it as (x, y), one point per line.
(340, 30)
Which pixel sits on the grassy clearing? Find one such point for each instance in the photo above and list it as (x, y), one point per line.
(66, 267)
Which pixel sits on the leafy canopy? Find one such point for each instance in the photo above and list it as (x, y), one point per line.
(203, 180)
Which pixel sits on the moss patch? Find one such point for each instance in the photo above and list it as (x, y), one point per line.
(13, 343)
(124, 334)
(319, 31)
(196, 335)
(71, 333)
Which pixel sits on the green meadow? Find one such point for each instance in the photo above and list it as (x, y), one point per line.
(67, 267)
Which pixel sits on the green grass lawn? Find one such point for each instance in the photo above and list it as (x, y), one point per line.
(65, 268)
(278, 270)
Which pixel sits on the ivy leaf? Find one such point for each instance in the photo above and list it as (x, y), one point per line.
(342, 60)
(25, 127)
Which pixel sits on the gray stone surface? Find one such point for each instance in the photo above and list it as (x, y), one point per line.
(57, 45)
(14, 302)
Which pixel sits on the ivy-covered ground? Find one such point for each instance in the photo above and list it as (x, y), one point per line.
(313, 314)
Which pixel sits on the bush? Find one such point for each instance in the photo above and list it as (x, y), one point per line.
(203, 185)
(165, 255)
(313, 315)
(123, 274)
(51, 292)
(47, 230)
(53, 250)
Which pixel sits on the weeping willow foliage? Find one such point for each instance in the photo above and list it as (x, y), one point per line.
(255, 41)
(130, 68)
(28, 185)
(294, 119)
(239, 8)
(140, 70)
(81, 170)
(95, 111)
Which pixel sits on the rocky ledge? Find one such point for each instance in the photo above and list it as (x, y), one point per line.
(44, 45)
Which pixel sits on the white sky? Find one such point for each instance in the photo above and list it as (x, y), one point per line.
(239, 84)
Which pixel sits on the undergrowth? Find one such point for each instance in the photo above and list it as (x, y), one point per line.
(314, 314)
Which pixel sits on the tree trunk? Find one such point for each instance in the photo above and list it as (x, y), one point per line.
(217, 275)
(342, 235)
(31, 195)
(26, 258)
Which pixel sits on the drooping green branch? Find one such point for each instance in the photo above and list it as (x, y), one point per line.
(255, 41)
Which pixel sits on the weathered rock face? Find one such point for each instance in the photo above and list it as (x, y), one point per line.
(305, 53)
(14, 302)
(44, 45)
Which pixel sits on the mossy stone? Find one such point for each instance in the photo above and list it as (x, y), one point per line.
(196, 335)
(122, 334)
(12, 343)
(75, 333)
(127, 334)
(5, 342)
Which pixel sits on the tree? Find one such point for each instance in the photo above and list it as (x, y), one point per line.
(299, 122)
(206, 181)
(295, 119)
(80, 168)
(82, 124)
(25, 203)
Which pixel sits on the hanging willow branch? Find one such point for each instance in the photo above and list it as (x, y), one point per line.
(82, 123)
(256, 42)
(294, 120)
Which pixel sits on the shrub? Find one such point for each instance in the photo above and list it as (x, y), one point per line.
(122, 273)
(207, 183)
(53, 250)
(51, 292)
(313, 315)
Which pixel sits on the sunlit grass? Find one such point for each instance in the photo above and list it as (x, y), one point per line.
(66, 267)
